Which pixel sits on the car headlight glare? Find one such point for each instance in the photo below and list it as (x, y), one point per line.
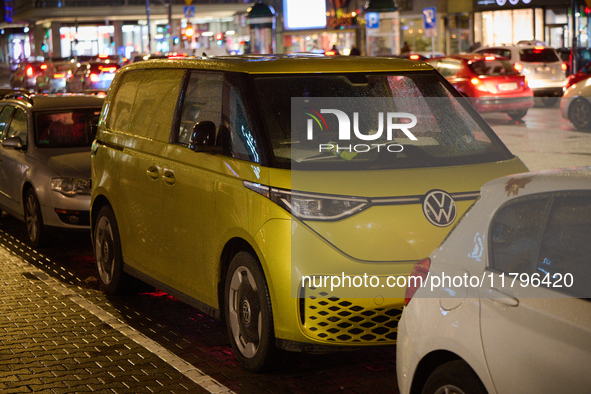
(311, 206)
(70, 186)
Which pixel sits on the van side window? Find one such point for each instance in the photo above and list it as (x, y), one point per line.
(241, 141)
(120, 113)
(5, 115)
(153, 109)
(203, 101)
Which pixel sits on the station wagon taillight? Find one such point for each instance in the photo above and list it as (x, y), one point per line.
(518, 67)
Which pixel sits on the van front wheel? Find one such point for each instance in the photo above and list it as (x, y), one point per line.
(249, 316)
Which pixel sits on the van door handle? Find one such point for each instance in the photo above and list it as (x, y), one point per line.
(502, 298)
(169, 177)
(153, 172)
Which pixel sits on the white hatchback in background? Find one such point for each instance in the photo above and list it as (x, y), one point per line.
(575, 105)
(541, 65)
(503, 335)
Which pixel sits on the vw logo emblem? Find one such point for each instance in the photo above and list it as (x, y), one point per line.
(439, 208)
(245, 310)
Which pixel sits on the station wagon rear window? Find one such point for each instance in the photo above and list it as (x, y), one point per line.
(538, 55)
(448, 131)
(72, 128)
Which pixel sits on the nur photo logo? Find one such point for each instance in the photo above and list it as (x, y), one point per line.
(390, 126)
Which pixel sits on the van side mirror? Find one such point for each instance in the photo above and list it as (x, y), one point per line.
(13, 143)
(203, 138)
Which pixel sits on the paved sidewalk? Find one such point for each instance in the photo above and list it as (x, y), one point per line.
(50, 343)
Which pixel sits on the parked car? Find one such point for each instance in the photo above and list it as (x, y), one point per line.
(53, 78)
(575, 105)
(45, 161)
(491, 83)
(25, 75)
(521, 321)
(582, 74)
(583, 58)
(541, 65)
(91, 77)
(221, 182)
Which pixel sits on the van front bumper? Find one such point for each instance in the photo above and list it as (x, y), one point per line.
(308, 317)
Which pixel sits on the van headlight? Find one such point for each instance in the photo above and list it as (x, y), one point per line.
(311, 206)
(70, 186)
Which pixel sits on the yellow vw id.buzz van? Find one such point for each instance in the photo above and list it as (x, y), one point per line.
(288, 195)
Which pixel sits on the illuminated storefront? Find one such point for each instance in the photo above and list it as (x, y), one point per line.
(510, 21)
(318, 25)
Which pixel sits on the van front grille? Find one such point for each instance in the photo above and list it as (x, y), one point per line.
(348, 321)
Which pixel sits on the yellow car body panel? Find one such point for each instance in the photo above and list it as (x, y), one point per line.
(180, 212)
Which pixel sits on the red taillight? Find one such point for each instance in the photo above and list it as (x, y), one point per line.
(475, 81)
(103, 56)
(330, 53)
(29, 71)
(94, 78)
(59, 75)
(43, 67)
(489, 58)
(414, 57)
(518, 67)
(563, 66)
(418, 276)
(108, 69)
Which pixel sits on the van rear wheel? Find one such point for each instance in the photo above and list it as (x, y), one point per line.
(249, 317)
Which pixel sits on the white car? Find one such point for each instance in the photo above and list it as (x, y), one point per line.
(541, 65)
(575, 104)
(515, 314)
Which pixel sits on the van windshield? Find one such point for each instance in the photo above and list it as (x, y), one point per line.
(371, 121)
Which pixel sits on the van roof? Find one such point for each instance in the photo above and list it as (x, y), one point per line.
(288, 64)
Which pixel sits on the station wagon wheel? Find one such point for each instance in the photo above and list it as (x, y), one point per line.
(453, 377)
(107, 251)
(580, 114)
(33, 219)
(550, 101)
(518, 114)
(249, 316)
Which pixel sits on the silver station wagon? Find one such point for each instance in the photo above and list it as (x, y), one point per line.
(45, 160)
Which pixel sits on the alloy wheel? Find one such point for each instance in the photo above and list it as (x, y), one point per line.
(245, 315)
(104, 250)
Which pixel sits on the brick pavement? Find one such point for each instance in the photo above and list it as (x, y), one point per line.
(51, 342)
(60, 333)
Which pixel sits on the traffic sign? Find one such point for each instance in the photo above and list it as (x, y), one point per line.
(430, 21)
(189, 11)
(430, 17)
(373, 20)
